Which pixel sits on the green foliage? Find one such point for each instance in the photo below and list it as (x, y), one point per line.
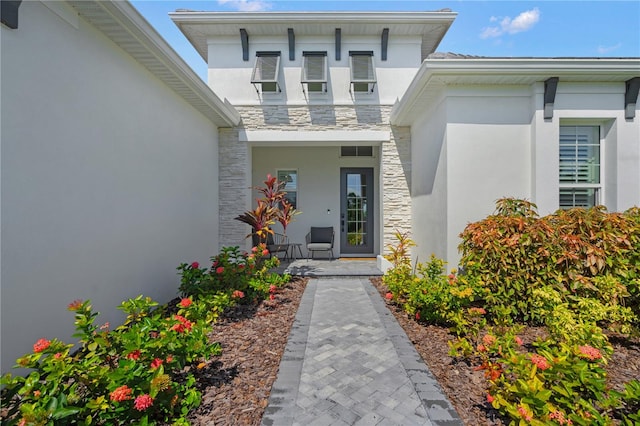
(428, 294)
(133, 374)
(587, 258)
(232, 272)
(552, 385)
(400, 252)
(575, 272)
(141, 372)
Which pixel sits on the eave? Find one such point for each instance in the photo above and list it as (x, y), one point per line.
(435, 74)
(122, 23)
(198, 26)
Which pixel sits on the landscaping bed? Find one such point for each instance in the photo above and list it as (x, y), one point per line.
(236, 384)
(466, 387)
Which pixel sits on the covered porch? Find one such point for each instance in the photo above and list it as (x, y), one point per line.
(333, 184)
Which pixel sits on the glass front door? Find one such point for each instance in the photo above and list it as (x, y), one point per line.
(356, 212)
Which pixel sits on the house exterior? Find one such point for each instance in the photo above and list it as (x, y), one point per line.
(109, 166)
(379, 133)
(560, 132)
(118, 163)
(315, 92)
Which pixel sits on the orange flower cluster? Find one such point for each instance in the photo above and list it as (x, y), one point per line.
(41, 345)
(589, 352)
(143, 402)
(185, 302)
(122, 393)
(237, 294)
(526, 414)
(540, 362)
(156, 363)
(488, 339)
(558, 416)
(183, 324)
(134, 355)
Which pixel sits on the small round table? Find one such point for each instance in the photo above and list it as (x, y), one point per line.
(292, 247)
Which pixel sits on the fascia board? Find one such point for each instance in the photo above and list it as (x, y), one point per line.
(330, 18)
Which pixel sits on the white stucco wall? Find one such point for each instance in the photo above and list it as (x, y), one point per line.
(478, 144)
(108, 179)
(230, 77)
(588, 104)
(475, 149)
(429, 184)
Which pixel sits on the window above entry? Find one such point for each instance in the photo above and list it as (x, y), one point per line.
(265, 72)
(314, 71)
(363, 73)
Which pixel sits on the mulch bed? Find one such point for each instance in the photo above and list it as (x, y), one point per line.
(466, 388)
(235, 386)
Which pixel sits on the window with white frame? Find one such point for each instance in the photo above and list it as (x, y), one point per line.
(580, 166)
(265, 71)
(290, 178)
(314, 71)
(363, 73)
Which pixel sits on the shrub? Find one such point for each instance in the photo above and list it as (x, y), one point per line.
(232, 271)
(132, 374)
(588, 257)
(428, 294)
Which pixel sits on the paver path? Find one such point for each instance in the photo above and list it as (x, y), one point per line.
(348, 362)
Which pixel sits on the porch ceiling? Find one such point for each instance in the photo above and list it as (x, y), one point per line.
(314, 138)
(198, 26)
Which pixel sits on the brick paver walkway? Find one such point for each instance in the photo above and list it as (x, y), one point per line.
(348, 362)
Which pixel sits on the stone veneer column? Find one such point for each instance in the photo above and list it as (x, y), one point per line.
(232, 181)
(396, 184)
(395, 161)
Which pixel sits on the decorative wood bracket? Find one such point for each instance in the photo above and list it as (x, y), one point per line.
(385, 44)
(9, 13)
(244, 38)
(292, 44)
(550, 86)
(632, 87)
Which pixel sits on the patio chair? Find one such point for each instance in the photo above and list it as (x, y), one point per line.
(320, 239)
(278, 243)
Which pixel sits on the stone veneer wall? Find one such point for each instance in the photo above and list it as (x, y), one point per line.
(395, 170)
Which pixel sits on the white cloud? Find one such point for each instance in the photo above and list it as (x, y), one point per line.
(246, 5)
(602, 50)
(523, 22)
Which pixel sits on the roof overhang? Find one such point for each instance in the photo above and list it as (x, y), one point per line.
(198, 26)
(122, 23)
(435, 74)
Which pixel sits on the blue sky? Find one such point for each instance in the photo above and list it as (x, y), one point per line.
(486, 28)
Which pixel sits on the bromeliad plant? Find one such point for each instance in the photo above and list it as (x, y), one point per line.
(133, 374)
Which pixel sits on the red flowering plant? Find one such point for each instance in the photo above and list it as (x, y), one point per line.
(133, 374)
(233, 270)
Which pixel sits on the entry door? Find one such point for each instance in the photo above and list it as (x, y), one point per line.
(356, 211)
